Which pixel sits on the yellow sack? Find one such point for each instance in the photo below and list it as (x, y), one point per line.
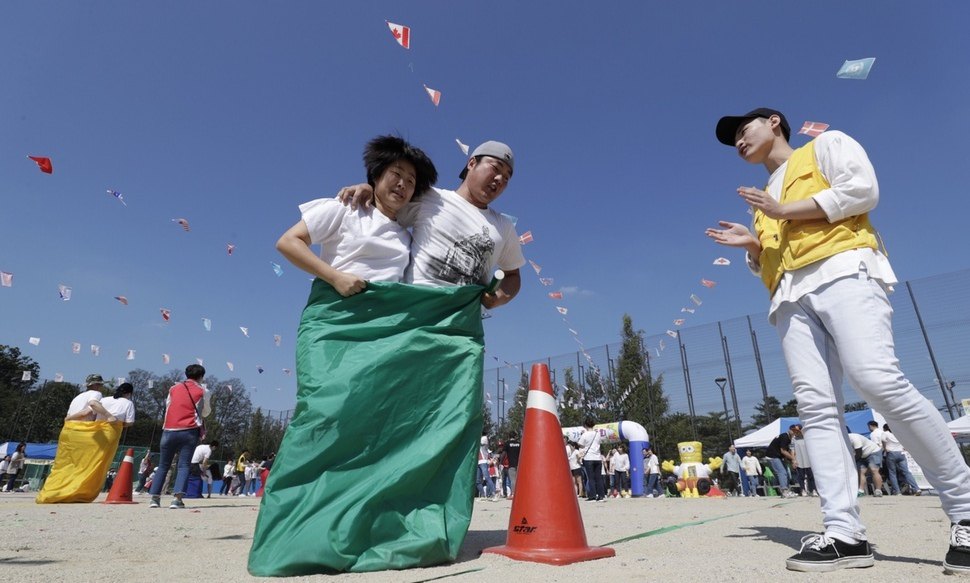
(84, 452)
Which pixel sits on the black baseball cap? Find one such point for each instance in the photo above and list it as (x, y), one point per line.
(727, 126)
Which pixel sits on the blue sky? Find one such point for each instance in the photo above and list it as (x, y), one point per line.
(231, 114)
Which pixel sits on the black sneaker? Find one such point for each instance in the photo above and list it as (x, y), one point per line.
(156, 502)
(820, 553)
(176, 504)
(958, 557)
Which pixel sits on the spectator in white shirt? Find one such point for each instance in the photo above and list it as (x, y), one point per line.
(200, 463)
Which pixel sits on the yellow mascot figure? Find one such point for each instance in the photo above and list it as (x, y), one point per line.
(693, 476)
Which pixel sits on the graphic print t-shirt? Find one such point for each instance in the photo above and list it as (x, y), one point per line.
(457, 243)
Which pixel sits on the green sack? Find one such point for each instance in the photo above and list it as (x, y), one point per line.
(377, 465)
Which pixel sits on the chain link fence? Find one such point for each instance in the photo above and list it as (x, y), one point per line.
(932, 331)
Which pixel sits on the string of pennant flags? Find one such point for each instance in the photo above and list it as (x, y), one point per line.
(851, 69)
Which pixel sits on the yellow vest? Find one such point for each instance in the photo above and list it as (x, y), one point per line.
(791, 245)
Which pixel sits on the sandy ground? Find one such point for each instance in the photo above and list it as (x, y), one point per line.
(741, 539)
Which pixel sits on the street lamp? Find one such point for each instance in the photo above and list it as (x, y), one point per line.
(721, 383)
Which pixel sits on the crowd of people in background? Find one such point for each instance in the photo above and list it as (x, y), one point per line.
(783, 468)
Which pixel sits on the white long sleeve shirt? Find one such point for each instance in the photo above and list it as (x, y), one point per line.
(853, 191)
(751, 465)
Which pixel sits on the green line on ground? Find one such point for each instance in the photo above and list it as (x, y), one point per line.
(673, 527)
(451, 575)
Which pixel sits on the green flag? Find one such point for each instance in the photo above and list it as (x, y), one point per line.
(377, 467)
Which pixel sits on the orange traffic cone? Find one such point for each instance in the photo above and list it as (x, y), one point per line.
(121, 488)
(545, 525)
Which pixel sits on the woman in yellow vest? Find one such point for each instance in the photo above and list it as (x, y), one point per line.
(817, 253)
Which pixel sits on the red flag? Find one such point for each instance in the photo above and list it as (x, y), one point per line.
(122, 299)
(44, 164)
(434, 94)
(166, 314)
(402, 34)
(230, 248)
(525, 237)
(555, 295)
(708, 283)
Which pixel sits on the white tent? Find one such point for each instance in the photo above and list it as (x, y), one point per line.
(856, 420)
(960, 427)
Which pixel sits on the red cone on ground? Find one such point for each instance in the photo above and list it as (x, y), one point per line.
(121, 488)
(545, 525)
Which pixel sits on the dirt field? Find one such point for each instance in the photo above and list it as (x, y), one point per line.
(654, 539)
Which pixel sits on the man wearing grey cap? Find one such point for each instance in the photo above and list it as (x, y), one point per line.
(84, 406)
(457, 239)
(828, 279)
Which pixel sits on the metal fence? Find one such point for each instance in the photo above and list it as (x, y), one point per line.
(932, 331)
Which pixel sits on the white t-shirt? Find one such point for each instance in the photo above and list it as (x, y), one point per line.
(653, 464)
(876, 436)
(81, 401)
(457, 243)
(589, 446)
(363, 242)
(621, 462)
(122, 409)
(890, 441)
(853, 191)
(801, 452)
(866, 445)
(201, 453)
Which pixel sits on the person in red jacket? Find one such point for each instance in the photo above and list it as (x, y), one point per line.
(186, 405)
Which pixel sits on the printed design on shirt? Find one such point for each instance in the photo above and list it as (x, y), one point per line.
(466, 262)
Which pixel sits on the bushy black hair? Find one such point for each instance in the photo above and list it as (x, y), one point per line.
(124, 389)
(383, 151)
(196, 372)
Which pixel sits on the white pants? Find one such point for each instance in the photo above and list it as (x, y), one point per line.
(847, 324)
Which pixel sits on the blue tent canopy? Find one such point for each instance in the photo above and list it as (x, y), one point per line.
(37, 451)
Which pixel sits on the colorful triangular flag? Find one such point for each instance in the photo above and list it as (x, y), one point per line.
(434, 94)
(401, 33)
(45, 164)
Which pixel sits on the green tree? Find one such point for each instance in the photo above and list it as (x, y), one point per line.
(516, 413)
(232, 413)
(639, 397)
(48, 406)
(15, 392)
(770, 410)
(264, 435)
(570, 409)
(595, 403)
(856, 406)
(488, 425)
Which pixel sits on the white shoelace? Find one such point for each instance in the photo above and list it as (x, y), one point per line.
(817, 542)
(960, 536)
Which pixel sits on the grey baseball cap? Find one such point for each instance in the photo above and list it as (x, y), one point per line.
(493, 149)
